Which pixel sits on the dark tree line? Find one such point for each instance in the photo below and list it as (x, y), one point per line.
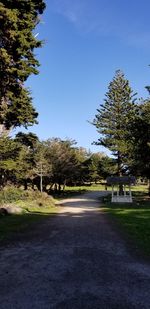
(48, 165)
(24, 160)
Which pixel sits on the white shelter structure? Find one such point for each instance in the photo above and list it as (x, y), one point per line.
(126, 182)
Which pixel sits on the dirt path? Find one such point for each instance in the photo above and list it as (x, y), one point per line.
(77, 261)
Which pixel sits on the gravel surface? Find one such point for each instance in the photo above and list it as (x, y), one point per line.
(74, 260)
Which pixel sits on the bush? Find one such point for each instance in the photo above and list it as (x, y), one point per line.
(12, 194)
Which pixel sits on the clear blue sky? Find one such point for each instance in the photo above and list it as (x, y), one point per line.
(85, 42)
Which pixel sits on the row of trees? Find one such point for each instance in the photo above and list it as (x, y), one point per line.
(122, 122)
(124, 127)
(49, 164)
(25, 159)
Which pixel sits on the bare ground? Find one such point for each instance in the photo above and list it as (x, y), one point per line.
(74, 260)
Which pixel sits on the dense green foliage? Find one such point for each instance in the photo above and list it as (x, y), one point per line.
(18, 19)
(113, 119)
(139, 134)
(47, 165)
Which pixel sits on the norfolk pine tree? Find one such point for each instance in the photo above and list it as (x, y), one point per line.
(139, 134)
(113, 118)
(18, 19)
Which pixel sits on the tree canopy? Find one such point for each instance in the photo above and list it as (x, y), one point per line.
(139, 135)
(114, 116)
(18, 19)
(53, 163)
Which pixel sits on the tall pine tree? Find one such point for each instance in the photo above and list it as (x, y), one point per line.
(113, 118)
(139, 135)
(18, 19)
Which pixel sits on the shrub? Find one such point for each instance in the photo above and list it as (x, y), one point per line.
(12, 194)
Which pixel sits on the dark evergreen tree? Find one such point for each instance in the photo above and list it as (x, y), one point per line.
(113, 118)
(30, 139)
(139, 134)
(9, 152)
(107, 167)
(18, 19)
(62, 156)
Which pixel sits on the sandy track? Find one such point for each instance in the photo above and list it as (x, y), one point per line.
(76, 261)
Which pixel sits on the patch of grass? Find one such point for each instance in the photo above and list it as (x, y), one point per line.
(67, 193)
(134, 220)
(14, 224)
(101, 187)
(77, 190)
(140, 188)
(37, 207)
(92, 187)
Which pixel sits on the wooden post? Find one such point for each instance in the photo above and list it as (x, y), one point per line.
(112, 191)
(124, 190)
(41, 179)
(130, 191)
(118, 191)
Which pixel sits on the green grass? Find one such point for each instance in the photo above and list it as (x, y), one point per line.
(77, 190)
(36, 208)
(68, 193)
(140, 188)
(95, 187)
(13, 224)
(133, 220)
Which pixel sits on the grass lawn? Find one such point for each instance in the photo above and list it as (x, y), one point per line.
(13, 224)
(33, 211)
(92, 187)
(77, 190)
(101, 187)
(133, 220)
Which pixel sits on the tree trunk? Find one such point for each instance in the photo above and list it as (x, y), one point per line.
(41, 183)
(64, 185)
(51, 187)
(3, 131)
(59, 187)
(25, 184)
(119, 164)
(41, 179)
(32, 184)
(120, 173)
(55, 187)
(148, 187)
(120, 189)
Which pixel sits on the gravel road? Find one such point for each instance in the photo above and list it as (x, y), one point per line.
(72, 261)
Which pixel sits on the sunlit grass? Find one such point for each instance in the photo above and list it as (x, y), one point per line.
(102, 187)
(92, 187)
(140, 188)
(133, 219)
